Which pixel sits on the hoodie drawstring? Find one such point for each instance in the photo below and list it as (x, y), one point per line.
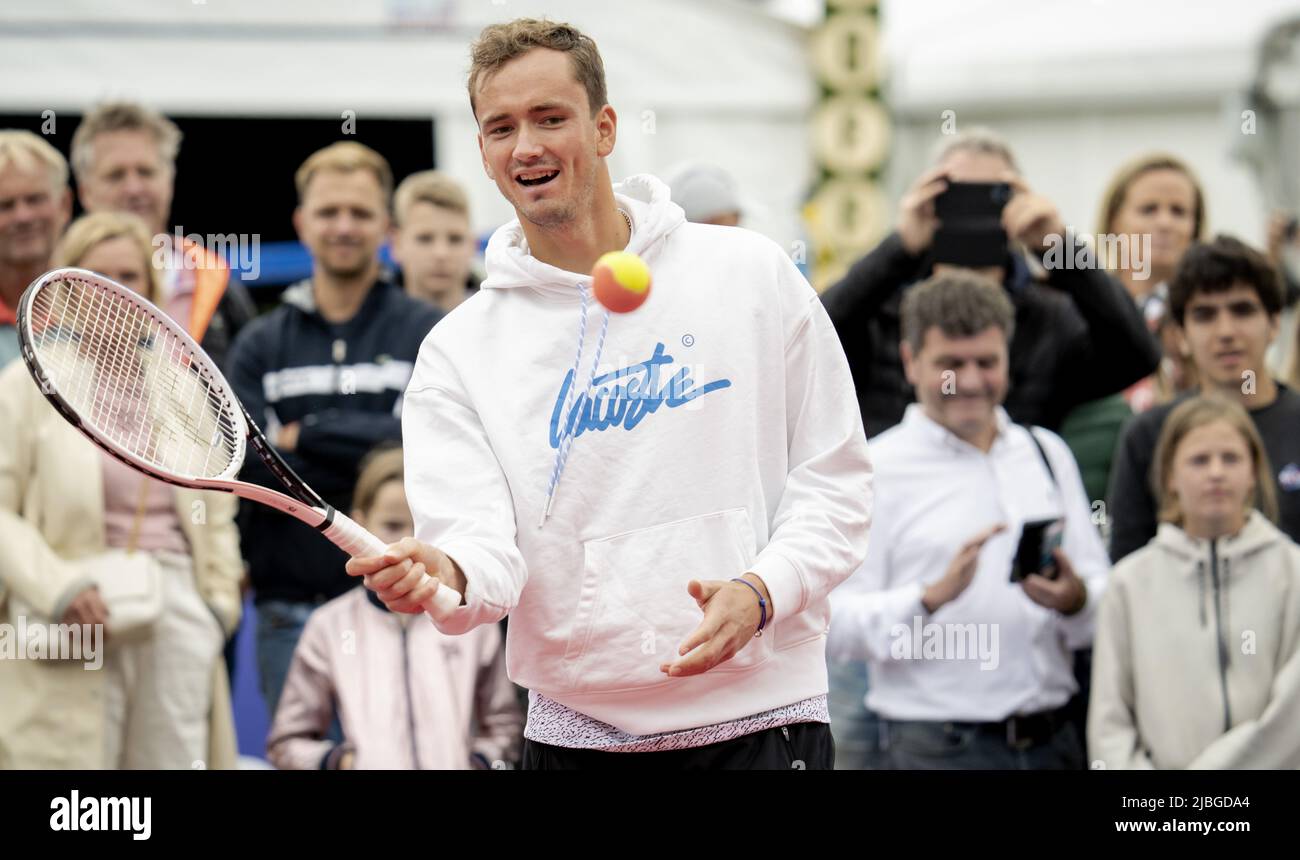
(1219, 643)
(567, 421)
(1200, 581)
(1227, 607)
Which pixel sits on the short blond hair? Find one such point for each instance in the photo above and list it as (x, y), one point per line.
(26, 151)
(498, 44)
(429, 186)
(99, 227)
(345, 157)
(123, 116)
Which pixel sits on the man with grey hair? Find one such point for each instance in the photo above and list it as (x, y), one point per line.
(966, 670)
(124, 158)
(35, 204)
(1058, 358)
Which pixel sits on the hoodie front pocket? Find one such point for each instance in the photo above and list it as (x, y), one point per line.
(634, 611)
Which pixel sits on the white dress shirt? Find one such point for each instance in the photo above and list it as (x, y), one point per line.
(992, 652)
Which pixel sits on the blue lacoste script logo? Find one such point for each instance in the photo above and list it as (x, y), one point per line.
(626, 396)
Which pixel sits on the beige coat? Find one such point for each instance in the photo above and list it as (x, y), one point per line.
(52, 510)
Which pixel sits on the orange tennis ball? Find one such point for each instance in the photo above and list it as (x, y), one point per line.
(621, 281)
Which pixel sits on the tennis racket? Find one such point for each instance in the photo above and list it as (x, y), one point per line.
(137, 385)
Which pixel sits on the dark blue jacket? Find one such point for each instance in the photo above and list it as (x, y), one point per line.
(343, 382)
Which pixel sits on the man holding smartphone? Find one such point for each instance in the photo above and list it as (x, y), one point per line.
(967, 670)
(1079, 336)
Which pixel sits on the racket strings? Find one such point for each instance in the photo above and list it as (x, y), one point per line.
(121, 368)
(135, 382)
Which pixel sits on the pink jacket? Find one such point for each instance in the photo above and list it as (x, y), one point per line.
(408, 697)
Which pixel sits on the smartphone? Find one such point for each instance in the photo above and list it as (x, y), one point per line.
(1038, 539)
(970, 224)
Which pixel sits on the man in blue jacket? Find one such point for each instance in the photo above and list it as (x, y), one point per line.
(323, 374)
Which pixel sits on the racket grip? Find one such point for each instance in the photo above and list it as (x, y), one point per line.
(347, 535)
(445, 600)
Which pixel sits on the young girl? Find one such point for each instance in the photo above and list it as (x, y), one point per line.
(1196, 662)
(407, 696)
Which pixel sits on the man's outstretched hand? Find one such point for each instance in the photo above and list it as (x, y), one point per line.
(731, 618)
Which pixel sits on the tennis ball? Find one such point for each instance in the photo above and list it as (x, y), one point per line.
(621, 281)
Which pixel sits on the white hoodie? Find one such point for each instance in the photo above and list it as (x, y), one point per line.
(726, 439)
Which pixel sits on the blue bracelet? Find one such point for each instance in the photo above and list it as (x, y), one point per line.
(762, 604)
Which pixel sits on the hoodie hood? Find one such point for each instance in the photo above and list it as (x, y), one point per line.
(510, 265)
(1212, 563)
(643, 197)
(1257, 534)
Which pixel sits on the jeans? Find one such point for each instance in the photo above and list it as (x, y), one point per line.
(279, 624)
(856, 729)
(911, 745)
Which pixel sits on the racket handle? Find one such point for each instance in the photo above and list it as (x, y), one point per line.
(347, 535)
(445, 600)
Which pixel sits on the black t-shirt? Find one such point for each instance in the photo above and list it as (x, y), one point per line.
(1132, 503)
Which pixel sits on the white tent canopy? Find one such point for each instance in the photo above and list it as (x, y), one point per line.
(1078, 86)
(721, 81)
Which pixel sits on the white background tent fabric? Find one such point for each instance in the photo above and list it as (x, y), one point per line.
(719, 81)
(1078, 86)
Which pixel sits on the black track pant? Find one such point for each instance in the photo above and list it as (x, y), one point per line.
(804, 746)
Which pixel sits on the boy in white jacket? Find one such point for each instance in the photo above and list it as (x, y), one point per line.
(1197, 655)
(605, 486)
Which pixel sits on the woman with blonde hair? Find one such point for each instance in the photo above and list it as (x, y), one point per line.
(1196, 660)
(84, 540)
(1155, 195)
(1151, 213)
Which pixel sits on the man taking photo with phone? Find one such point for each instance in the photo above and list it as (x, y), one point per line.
(1078, 335)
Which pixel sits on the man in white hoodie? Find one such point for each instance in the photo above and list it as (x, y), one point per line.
(661, 500)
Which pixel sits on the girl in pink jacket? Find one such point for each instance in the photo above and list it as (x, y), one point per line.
(407, 696)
